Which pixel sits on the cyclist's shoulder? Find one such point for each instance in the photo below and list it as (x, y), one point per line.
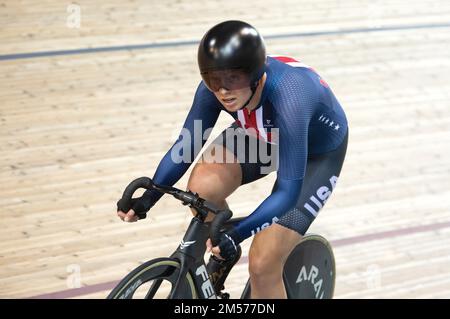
(283, 67)
(204, 98)
(289, 75)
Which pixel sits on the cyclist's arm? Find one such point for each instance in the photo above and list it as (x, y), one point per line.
(294, 102)
(205, 111)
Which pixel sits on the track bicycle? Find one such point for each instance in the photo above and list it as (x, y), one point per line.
(309, 271)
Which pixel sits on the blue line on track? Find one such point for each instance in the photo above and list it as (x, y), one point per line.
(18, 56)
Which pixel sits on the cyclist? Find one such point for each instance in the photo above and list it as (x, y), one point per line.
(283, 109)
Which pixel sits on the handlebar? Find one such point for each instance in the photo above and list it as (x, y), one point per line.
(187, 198)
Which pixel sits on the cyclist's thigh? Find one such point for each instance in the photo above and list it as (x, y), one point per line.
(231, 160)
(278, 240)
(213, 178)
(322, 172)
(256, 157)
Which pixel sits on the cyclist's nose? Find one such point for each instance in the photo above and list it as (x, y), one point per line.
(223, 90)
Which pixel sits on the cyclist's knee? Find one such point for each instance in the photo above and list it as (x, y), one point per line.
(214, 182)
(270, 250)
(264, 265)
(202, 182)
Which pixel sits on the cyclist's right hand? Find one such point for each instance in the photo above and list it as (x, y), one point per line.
(139, 208)
(129, 217)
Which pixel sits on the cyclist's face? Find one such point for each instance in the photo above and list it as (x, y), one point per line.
(233, 100)
(228, 79)
(231, 87)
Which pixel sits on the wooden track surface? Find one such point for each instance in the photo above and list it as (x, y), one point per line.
(75, 129)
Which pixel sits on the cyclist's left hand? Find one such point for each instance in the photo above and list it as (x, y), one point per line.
(226, 249)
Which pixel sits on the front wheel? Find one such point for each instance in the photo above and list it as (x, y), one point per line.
(154, 279)
(309, 272)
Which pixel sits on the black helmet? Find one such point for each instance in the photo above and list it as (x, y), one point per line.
(230, 47)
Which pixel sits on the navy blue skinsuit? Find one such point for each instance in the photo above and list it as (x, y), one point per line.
(311, 143)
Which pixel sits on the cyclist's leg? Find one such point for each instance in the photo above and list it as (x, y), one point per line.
(224, 166)
(215, 181)
(271, 247)
(268, 253)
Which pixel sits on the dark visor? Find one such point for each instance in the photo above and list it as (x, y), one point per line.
(227, 79)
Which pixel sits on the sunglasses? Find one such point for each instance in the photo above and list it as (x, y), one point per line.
(226, 79)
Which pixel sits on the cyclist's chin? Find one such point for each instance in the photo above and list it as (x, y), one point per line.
(233, 107)
(233, 100)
